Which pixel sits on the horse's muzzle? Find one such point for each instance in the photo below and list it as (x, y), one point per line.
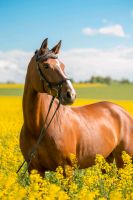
(68, 98)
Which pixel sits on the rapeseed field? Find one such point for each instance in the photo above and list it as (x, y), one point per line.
(88, 184)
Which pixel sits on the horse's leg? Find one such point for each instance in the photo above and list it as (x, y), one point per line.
(126, 145)
(119, 160)
(110, 158)
(118, 155)
(41, 172)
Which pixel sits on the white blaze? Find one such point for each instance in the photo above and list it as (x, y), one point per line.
(73, 93)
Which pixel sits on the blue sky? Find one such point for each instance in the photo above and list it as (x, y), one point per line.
(102, 25)
(24, 24)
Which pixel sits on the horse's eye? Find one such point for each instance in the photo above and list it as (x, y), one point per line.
(46, 66)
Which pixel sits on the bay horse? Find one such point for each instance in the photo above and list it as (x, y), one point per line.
(100, 128)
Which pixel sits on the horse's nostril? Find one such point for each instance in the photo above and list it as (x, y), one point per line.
(68, 94)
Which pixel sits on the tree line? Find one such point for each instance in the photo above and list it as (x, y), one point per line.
(95, 79)
(105, 80)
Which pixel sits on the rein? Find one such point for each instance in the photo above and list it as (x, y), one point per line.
(43, 131)
(51, 86)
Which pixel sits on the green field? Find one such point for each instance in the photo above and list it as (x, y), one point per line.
(114, 91)
(11, 91)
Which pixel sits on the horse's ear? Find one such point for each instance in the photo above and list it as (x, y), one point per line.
(56, 48)
(44, 46)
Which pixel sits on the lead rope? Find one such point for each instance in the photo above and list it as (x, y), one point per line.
(43, 130)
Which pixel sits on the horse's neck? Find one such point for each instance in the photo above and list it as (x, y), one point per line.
(34, 107)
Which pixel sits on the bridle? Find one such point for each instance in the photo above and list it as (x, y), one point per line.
(51, 86)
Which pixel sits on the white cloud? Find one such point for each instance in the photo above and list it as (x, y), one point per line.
(80, 64)
(13, 65)
(90, 31)
(112, 30)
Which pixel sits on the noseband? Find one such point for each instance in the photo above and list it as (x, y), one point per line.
(51, 85)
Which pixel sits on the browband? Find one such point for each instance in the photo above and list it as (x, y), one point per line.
(44, 57)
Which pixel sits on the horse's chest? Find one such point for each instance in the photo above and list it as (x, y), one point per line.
(54, 150)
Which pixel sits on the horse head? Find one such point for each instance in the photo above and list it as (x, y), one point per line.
(48, 74)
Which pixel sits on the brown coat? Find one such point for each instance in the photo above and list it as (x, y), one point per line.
(100, 128)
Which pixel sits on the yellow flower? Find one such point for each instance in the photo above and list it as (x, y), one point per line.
(90, 183)
(115, 195)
